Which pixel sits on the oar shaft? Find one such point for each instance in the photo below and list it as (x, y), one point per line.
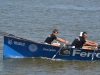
(93, 54)
(57, 52)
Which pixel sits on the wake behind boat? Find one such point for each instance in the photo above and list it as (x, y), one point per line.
(20, 47)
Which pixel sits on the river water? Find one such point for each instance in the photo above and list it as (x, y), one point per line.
(35, 20)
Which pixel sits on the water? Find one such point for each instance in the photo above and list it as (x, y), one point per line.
(47, 67)
(35, 20)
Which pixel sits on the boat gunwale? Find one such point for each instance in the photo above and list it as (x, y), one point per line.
(26, 40)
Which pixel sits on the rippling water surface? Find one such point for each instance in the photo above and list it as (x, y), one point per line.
(35, 20)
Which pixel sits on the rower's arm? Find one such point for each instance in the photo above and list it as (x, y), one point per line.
(62, 40)
(90, 43)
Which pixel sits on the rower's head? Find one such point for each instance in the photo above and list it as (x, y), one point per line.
(84, 34)
(55, 32)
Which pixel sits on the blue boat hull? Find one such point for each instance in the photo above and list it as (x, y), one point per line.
(19, 47)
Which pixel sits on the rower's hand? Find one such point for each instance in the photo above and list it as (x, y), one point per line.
(95, 45)
(66, 42)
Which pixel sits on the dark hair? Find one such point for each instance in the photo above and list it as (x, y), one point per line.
(55, 30)
(84, 33)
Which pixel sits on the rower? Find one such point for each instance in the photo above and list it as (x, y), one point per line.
(89, 41)
(52, 37)
(80, 42)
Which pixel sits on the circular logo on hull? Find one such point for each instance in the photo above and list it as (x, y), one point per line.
(33, 47)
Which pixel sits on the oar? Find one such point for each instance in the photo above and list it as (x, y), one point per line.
(93, 55)
(58, 51)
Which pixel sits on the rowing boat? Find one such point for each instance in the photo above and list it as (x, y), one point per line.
(20, 47)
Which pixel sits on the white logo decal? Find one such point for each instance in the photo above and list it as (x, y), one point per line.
(33, 48)
(84, 54)
(51, 50)
(9, 41)
(19, 43)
